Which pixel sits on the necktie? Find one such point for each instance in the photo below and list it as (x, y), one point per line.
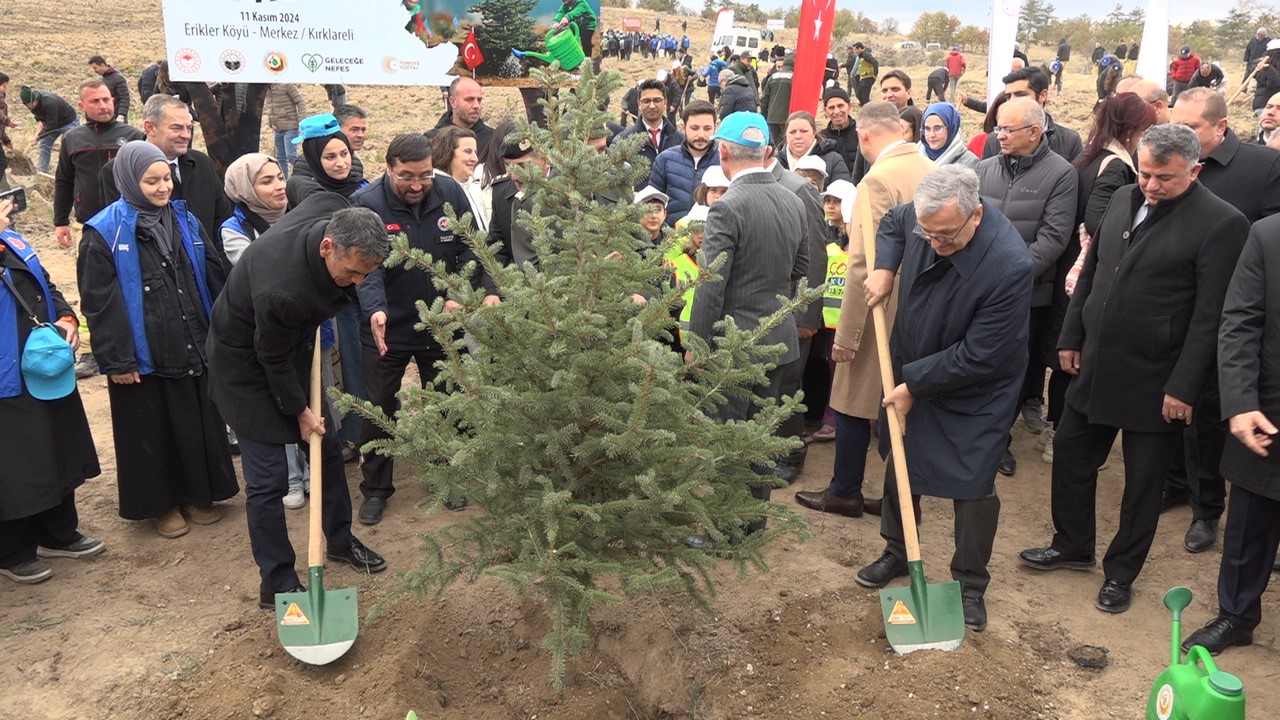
(177, 179)
(654, 135)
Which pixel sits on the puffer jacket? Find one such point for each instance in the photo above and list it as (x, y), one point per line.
(1037, 194)
(285, 106)
(738, 96)
(676, 173)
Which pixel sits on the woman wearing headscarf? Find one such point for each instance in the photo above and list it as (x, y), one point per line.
(328, 166)
(147, 284)
(255, 184)
(941, 139)
(47, 448)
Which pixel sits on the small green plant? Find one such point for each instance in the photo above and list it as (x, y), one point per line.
(31, 622)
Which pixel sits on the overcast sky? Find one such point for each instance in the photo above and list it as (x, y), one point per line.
(975, 12)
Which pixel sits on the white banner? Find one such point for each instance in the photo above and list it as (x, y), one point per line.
(724, 23)
(1004, 33)
(1153, 60)
(775, 24)
(297, 41)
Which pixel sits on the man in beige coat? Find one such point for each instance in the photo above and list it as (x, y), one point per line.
(897, 167)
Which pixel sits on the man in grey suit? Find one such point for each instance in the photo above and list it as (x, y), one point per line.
(761, 229)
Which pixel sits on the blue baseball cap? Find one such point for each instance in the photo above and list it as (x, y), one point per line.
(740, 128)
(316, 126)
(48, 364)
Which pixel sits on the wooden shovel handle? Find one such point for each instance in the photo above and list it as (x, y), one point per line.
(315, 551)
(881, 323)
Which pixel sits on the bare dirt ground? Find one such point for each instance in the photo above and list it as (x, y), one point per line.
(159, 629)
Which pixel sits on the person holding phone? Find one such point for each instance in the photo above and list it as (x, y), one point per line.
(47, 445)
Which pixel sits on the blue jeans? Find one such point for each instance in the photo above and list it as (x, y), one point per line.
(286, 151)
(46, 144)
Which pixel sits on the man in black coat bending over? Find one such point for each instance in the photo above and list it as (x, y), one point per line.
(261, 337)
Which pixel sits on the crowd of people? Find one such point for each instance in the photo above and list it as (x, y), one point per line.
(1076, 283)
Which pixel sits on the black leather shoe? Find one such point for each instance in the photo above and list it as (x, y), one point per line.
(1114, 597)
(1008, 464)
(1219, 635)
(1201, 535)
(1170, 500)
(827, 501)
(267, 598)
(1049, 559)
(879, 573)
(371, 510)
(975, 613)
(358, 556)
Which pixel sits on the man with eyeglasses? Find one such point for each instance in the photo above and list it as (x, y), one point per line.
(411, 200)
(1140, 336)
(959, 354)
(1033, 83)
(654, 126)
(1036, 189)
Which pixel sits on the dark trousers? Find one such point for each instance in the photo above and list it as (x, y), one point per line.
(864, 90)
(347, 323)
(744, 408)
(1079, 448)
(1193, 472)
(266, 480)
(55, 527)
(383, 375)
(853, 438)
(713, 93)
(1038, 345)
(777, 133)
(791, 381)
(938, 89)
(975, 531)
(1248, 554)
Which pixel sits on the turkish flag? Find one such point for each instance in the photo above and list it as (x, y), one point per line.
(812, 46)
(471, 54)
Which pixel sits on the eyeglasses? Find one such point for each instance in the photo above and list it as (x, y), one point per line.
(652, 101)
(939, 238)
(414, 179)
(934, 129)
(1009, 131)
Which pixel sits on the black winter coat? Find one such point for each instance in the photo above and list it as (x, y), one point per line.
(1145, 311)
(80, 180)
(263, 327)
(1249, 355)
(53, 112)
(1245, 175)
(396, 290)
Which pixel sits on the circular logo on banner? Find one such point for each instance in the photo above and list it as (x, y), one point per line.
(443, 224)
(186, 60)
(275, 62)
(232, 61)
(1164, 702)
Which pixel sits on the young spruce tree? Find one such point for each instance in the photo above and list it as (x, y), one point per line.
(586, 447)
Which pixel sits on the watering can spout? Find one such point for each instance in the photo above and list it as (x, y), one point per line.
(544, 57)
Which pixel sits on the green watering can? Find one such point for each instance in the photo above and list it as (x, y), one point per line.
(562, 45)
(1193, 688)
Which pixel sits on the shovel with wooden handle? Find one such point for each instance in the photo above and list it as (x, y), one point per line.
(920, 616)
(317, 626)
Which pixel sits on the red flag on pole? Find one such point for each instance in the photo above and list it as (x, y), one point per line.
(471, 54)
(812, 45)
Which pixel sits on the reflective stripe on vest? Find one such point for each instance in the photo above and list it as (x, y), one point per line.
(837, 264)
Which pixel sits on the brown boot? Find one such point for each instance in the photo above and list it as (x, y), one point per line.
(202, 516)
(171, 524)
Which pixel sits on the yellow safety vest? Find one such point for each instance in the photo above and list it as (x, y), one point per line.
(686, 271)
(837, 264)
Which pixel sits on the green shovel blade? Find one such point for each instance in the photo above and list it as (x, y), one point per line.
(317, 626)
(922, 616)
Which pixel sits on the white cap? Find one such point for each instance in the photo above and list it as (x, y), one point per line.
(662, 76)
(1273, 45)
(846, 192)
(811, 162)
(715, 177)
(651, 194)
(697, 213)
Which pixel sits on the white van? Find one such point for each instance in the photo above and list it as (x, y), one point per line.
(740, 40)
